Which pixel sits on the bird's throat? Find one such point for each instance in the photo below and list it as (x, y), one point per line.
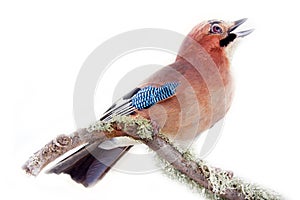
(219, 56)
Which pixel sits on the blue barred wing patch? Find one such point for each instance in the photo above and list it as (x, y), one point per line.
(148, 96)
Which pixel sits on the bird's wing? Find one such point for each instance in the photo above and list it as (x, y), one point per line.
(121, 107)
(91, 163)
(140, 98)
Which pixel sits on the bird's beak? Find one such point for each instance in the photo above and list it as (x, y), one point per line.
(231, 36)
(237, 24)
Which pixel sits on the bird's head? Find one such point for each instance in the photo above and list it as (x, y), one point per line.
(217, 37)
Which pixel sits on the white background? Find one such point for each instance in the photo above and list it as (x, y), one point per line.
(43, 46)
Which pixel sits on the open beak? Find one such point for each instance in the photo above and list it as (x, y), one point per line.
(237, 24)
(231, 36)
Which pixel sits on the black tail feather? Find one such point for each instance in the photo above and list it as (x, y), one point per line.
(89, 164)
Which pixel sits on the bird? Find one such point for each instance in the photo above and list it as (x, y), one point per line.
(184, 98)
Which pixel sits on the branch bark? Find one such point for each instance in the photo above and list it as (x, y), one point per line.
(216, 181)
(62, 144)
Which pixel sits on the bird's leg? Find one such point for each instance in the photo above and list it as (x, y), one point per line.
(155, 126)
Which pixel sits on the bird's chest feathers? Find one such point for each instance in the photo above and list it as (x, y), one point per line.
(219, 56)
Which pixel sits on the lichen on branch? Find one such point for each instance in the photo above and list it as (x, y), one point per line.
(215, 183)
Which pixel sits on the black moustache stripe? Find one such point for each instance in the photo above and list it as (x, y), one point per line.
(224, 42)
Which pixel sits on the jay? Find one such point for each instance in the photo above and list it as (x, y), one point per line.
(184, 98)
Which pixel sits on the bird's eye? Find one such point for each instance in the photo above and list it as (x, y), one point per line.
(216, 29)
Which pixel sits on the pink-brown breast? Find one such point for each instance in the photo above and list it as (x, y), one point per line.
(202, 98)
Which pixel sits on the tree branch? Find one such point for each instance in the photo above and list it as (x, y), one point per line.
(216, 182)
(64, 143)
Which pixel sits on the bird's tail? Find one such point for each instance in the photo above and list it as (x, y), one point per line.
(89, 164)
